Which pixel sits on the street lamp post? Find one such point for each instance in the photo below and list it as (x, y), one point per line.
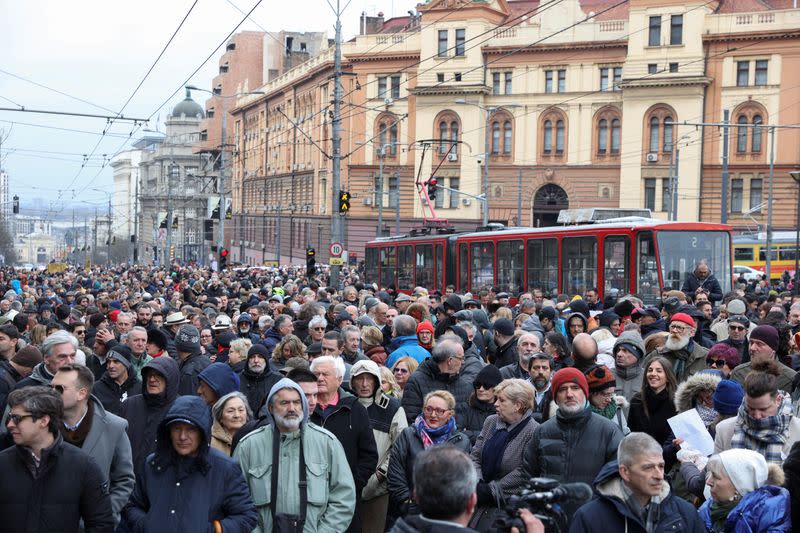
(489, 112)
(795, 174)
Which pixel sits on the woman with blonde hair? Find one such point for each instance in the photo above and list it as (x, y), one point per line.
(402, 370)
(388, 383)
(290, 346)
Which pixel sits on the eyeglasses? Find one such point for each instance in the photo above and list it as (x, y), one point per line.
(19, 418)
(437, 410)
(482, 386)
(80, 332)
(401, 371)
(58, 388)
(677, 327)
(318, 329)
(606, 395)
(718, 362)
(736, 328)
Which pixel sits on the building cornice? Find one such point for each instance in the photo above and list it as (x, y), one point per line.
(362, 58)
(688, 81)
(751, 36)
(449, 89)
(556, 47)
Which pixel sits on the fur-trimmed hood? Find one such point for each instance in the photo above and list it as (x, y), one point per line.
(689, 389)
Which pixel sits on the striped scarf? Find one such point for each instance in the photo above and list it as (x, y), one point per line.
(766, 436)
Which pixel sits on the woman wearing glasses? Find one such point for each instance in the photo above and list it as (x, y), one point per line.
(436, 425)
(602, 400)
(402, 370)
(724, 358)
(481, 402)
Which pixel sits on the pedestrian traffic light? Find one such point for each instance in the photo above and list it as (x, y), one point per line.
(344, 202)
(16, 204)
(432, 188)
(223, 259)
(311, 262)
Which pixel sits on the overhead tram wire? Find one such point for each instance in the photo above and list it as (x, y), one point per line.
(62, 93)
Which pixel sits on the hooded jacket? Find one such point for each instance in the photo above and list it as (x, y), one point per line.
(257, 386)
(176, 493)
(39, 376)
(331, 491)
(428, 378)
(387, 419)
(406, 346)
(765, 509)
(687, 391)
(582, 318)
(145, 411)
(609, 511)
(221, 378)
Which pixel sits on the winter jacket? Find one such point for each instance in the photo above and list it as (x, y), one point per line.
(69, 487)
(39, 376)
(220, 378)
(111, 394)
(783, 381)
(220, 439)
(190, 369)
(505, 354)
(765, 509)
(419, 524)
(429, 378)
(145, 411)
(331, 492)
(514, 371)
(406, 346)
(692, 283)
(660, 408)
(791, 467)
(271, 339)
(473, 418)
(257, 386)
(629, 382)
(510, 477)
(8, 381)
(174, 493)
(572, 448)
(694, 363)
(608, 510)
(401, 466)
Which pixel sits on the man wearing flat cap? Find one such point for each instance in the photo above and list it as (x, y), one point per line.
(687, 357)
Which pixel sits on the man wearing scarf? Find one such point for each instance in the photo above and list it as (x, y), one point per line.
(687, 357)
(765, 422)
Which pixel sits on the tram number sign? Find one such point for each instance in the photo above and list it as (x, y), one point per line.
(336, 249)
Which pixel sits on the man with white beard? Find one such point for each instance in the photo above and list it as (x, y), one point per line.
(687, 357)
(297, 444)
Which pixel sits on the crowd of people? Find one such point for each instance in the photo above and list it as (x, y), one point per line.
(148, 399)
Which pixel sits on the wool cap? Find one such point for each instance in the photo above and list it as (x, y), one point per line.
(683, 317)
(27, 357)
(766, 334)
(671, 305)
(489, 376)
(258, 349)
(425, 326)
(122, 354)
(504, 327)
(747, 469)
(736, 307)
(187, 339)
(728, 397)
(599, 378)
(570, 375)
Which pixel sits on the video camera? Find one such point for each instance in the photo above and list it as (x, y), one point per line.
(541, 497)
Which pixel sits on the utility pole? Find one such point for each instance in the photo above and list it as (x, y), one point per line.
(519, 197)
(671, 187)
(768, 268)
(723, 217)
(74, 238)
(136, 221)
(278, 237)
(382, 155)
(489, 112)
(397, 204)
(675, 190)
(336, 219)
(108, 247)
(85, 240)
(223, 143)
(170, 172)
(94, 249)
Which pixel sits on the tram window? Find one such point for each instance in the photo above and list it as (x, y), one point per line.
(773, 253)
(405, 268)
(743, 254)
(387, 266)
(787, 253)
(481, 264)
(616, 271)
(371, 265)
(510, 264)
(646, 269)
(679, 254)
(424, 261)
(543, 265)
(440, 283)
(463, 266)
(579, 264)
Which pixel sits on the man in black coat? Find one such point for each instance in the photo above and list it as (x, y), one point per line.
(190, 361)
(119, 382)
(47, 484)
(343, 415)
(257, 378)
(160, 380)
(15, 370)
(702, 280)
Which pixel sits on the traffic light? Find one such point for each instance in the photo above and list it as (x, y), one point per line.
(16, 204)
(344, 202)
(432, 188)
(311, 262)
(223, 259)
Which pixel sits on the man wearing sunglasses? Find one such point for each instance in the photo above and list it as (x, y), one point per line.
(47, 485)
(738, 329)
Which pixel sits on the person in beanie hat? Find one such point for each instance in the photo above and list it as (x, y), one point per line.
(505, 351)
(575, 444)
(190, 361)
(119, 381)
(686, 356)
(425, 335)
(481, 402)
(727, 398)
(763, 346)
(215, 381)
(602, 399)
(19, 367)
(258, 377)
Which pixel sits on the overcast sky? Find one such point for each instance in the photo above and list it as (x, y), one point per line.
(96, 52)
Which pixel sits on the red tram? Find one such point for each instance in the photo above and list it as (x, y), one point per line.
(633, 255)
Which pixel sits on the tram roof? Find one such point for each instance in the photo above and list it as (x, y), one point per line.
(620, 223)
(778, 237)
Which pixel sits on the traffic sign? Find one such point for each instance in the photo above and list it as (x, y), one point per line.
(336, 261)
(336, 249)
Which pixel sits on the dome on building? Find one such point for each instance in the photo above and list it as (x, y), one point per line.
(189, 108)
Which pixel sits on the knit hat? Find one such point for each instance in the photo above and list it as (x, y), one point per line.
(27, 357)
(579, 306)
(258, 349)
(112, 315)
(607, 318)
(187, 339)
(736, 307)
(671, 305)
(726, 352)
(244, 317)
(548, 312)
(599, 378)
(425, 326)
(489, 377)
(570, 375)
(766, 334)
(121, 354)
(504, 327)
(341, 317)
(221, 378)
(683, 317)
(728, 397)
(747, 469)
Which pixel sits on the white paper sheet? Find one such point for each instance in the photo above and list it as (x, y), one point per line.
(689, 427)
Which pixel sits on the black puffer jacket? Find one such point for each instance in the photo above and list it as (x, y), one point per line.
(506, 354)
(692, 283)
(145, 411)
(190, 368)
(475, 415)
(257, 386)
(112, 395)
(429, 378)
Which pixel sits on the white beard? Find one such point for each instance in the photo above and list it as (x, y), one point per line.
(674, 345)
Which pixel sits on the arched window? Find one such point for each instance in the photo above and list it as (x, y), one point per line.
(388, 135)
(454, 137)
(507, 137)
(668, 139)
(443, 137)
(756, 144)
(659, 126)
(553, 125)
(654, 135)
(602, 136)
(547, 145)
(616, 127)
(741, 134)
(495, 138)
(560, 137)
(446, 128)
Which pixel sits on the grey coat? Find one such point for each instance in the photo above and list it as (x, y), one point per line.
(108, 444)
(511, 469)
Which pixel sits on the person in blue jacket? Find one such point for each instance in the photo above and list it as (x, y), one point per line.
(186, 485)
(746, 494)
(632, 495)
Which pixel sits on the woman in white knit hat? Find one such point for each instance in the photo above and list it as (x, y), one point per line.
(746, 494)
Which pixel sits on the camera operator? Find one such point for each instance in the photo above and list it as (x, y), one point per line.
(448, 511)
(632, 494)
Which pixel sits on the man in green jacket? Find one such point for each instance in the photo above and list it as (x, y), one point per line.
(330, 494)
